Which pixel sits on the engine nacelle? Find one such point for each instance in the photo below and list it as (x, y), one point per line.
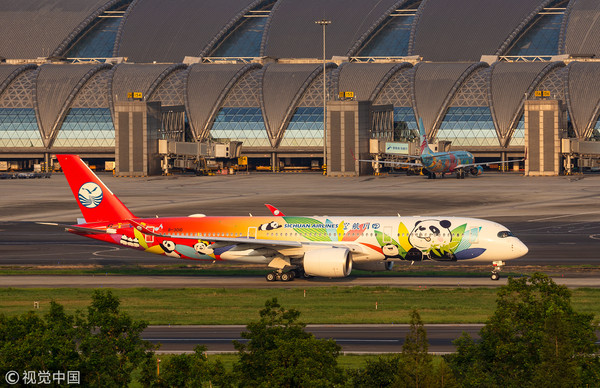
(374, 266)
(328, 262)
(476, 170)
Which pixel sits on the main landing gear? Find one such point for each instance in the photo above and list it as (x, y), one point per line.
(283, 276)
(496, 270)
(461, 174)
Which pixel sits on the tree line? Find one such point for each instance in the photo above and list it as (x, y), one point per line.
(534, 338)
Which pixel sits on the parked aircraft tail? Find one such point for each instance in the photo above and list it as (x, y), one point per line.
(423, 138)
(96, 202)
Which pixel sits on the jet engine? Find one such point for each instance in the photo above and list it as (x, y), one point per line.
(476, 170)
(374, 266)
(328, 262)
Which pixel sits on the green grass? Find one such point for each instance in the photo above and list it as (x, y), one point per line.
(343, 305)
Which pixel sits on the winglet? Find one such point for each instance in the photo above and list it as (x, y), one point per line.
(274, 210)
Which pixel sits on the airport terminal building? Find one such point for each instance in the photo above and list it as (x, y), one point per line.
(252, 71)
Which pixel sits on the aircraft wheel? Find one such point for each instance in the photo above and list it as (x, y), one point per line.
(286, 277)
(271, 277)
(495, 276)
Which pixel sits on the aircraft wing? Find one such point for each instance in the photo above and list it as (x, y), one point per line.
(392, 163)
(488, 163)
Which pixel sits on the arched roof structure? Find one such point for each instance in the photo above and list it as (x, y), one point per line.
(363, 79)
(9, 72)
(56, 87)
(33, 28)
(583, 28)
(510, 84)
(167, 31)
(463, 30)
(433, 84)
(278, 103)
(350, 21)
(206, 88)
(583, 96)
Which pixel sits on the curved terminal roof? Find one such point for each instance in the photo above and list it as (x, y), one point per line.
(282, 86)
(207, 86)
(432, 84)
(350, 20)
(463, 30)
(55, 83)
(363, 78)
(583, 96)
(129, 78)
(583, 28)
(509, 84)
(9, 72)
(167, 31)
(33, 28)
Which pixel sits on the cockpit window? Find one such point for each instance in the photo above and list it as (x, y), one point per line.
(505, 234)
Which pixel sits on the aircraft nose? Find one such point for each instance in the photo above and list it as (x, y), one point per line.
(519, 249)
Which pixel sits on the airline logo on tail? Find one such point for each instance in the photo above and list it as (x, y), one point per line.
(90, 195)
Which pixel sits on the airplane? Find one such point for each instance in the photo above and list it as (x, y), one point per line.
(292, 246)
(433, 163)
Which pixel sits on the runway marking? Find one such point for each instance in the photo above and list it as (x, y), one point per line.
(98, 253)
(561, 216)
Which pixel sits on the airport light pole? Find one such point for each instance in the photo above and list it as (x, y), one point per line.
(324, 22)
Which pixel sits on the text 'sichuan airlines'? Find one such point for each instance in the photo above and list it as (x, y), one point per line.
(291, 245)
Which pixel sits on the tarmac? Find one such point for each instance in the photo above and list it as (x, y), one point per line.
(558, 218)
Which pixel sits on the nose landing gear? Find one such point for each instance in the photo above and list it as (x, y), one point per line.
(496, 270)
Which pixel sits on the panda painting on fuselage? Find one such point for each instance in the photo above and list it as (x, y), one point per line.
(428, 236)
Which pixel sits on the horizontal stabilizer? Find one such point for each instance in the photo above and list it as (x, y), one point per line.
(75, 228)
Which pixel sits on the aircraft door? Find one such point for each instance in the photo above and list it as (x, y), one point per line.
(252, 230)
(387, 234)
(150, 238)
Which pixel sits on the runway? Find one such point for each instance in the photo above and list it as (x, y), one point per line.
(354, 339)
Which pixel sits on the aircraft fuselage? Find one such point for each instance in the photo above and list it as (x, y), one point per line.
(367, 238)
(447, 161)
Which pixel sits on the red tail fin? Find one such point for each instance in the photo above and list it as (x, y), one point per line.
(96, 201)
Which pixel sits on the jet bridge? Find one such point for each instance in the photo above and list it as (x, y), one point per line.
(580, 154)
(202, 158)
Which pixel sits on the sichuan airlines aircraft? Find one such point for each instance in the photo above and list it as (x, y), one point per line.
(292, 246)
(433, 163)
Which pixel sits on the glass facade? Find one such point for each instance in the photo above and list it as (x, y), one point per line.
(86, 127)
(18, 128)
(468, 126)
(518, 137)
(243, 124)
(393, 36)
(244, 41)
(305, 128)
(541, 38)
(97, 43)
(246, 37)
